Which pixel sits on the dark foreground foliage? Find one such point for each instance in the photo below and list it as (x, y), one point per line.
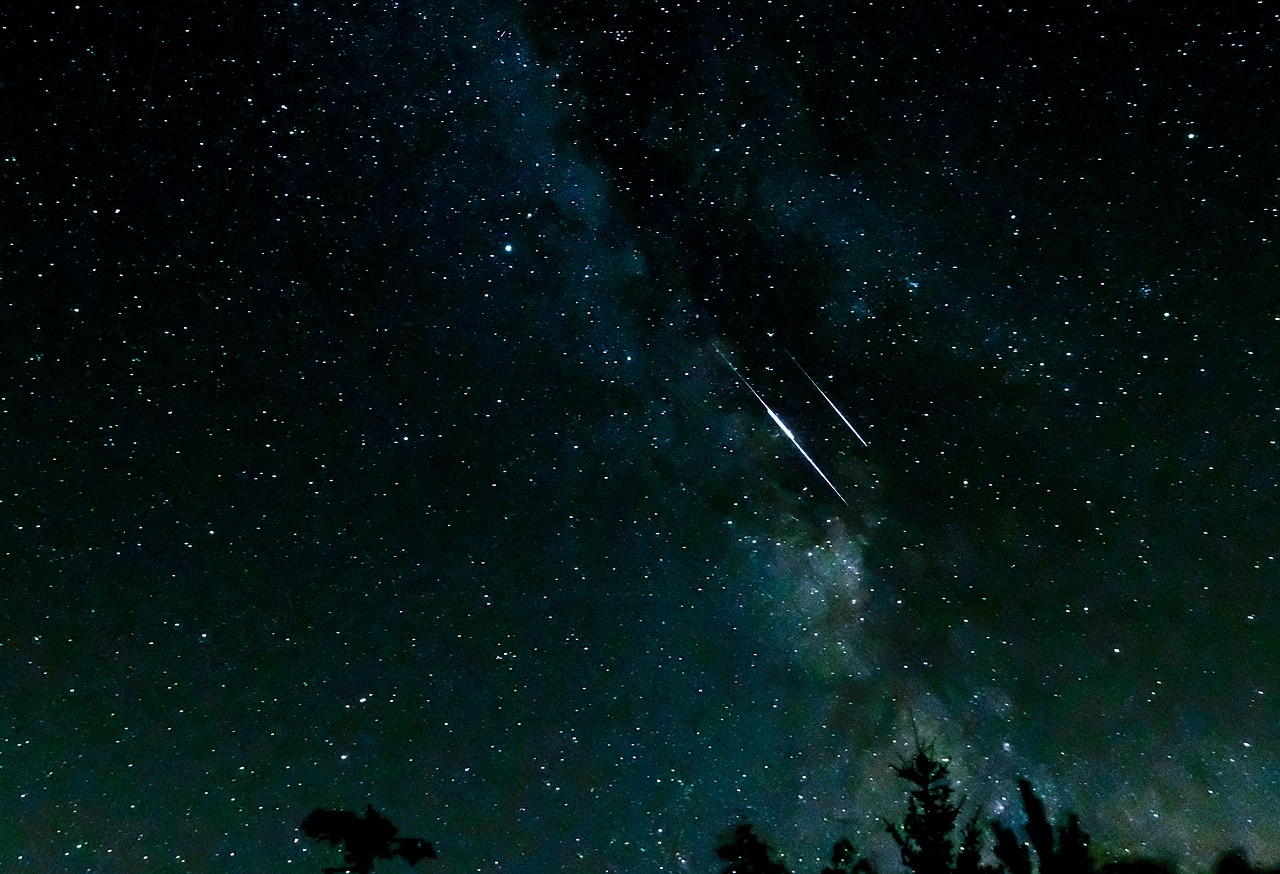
(931, 837)
(364, 839)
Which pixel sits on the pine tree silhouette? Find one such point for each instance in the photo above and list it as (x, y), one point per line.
(363, 839)
(746, 853)
(1234, 861)
(969, 857)
(925, 837)
(1039, 832)
(1012, 853)
(1073, 848)
(1068, 854)
(844, 860)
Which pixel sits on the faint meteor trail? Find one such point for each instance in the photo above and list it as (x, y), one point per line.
(778, 421)
(827, 399)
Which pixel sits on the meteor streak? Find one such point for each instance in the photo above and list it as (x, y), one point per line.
(785, 430)
(827, 399)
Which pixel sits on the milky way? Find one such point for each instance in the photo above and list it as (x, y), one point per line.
(368, 438)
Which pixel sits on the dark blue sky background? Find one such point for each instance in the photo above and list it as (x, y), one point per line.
(368, 434)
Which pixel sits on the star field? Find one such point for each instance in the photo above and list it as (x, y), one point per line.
(372, 430)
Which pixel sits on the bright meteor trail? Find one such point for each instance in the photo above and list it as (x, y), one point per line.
(785, 430)
(827, 399)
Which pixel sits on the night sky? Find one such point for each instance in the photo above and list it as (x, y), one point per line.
(395, 398)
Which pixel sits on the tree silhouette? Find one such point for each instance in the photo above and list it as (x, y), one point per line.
(746, 853)
(363, 839)
(925, 837)
(1012, 853)
(969, 857)
(1073, 848)
(1039, 832)
(1234, 861)
(844, 860)
(1068, 854)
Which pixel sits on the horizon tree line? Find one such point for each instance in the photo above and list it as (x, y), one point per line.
(930, 838)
